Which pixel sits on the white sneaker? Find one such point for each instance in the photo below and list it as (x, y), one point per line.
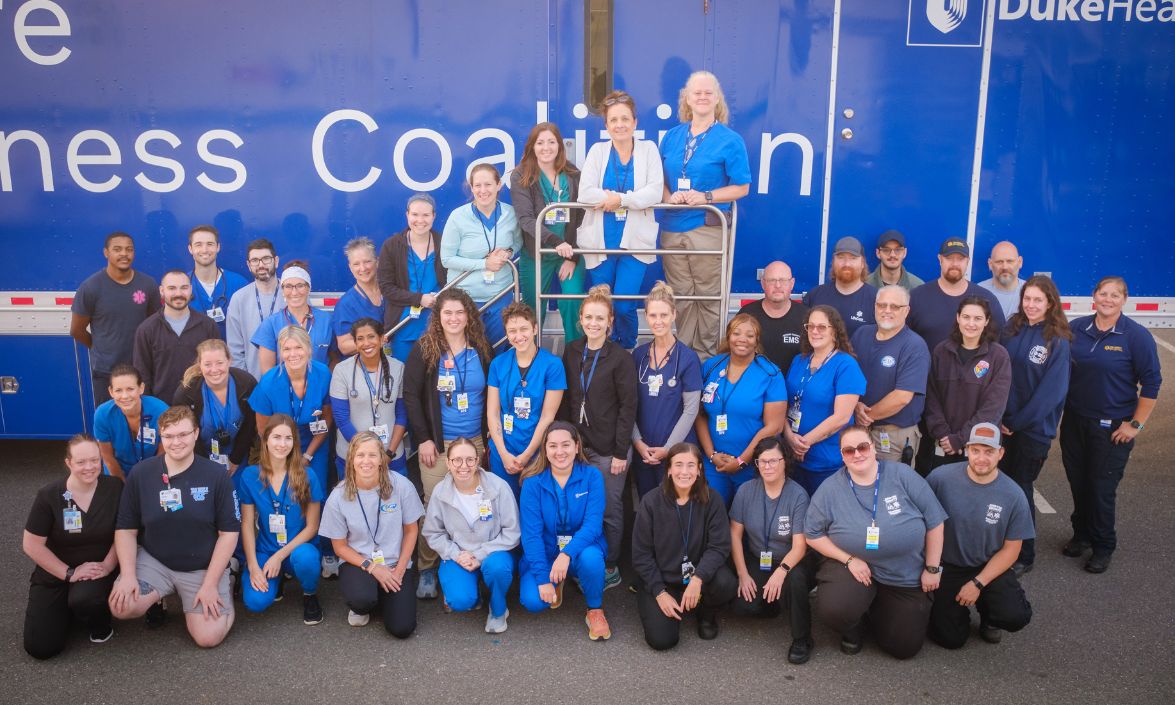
(357, 620)
(496, 625)
(330, 566)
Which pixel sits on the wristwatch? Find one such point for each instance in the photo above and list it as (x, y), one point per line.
(933, 569)
(785, 566)
(1138, 425)
(849, 560)
(709, 196)
(366, 564)
(68, 574)
(976, 583)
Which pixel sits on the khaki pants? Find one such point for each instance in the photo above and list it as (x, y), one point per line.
(898, 437)
(430, 477)
(696, 275)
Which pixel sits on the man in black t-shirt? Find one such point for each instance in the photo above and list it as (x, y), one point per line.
(781, 319)
(184, 510)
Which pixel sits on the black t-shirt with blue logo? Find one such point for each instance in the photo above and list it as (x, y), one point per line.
(780, 336)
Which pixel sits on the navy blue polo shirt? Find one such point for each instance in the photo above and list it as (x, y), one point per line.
(902, 362)
(1111, 369)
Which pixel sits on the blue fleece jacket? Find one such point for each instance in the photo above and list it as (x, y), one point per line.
(1040, 381)
(583, 519)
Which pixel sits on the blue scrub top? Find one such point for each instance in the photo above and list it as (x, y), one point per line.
(742, 402)
(352, 306)
(815, 396)
(225, 416)
(657, 415)
(720, 159)
(471, 380)
(546, 374)
(222, 293)
(110, 427)
(321, 332)
(261, 495)
(618, 177)
(273, 395)
(422, 277)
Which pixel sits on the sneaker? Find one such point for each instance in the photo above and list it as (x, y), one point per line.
(707, 625)
(496, 625)
(558, 596)
(597, 625)
(445, 606)
(850, 641)
(311, 610)
(281, 590)
(426, 588)
(611, 578)
(156, 615)
(1021, 569)
(1075, 548)
(1098, 563)
(800, 651)
(990, 634)
(357, 620)
(101, 636)
(330, 566)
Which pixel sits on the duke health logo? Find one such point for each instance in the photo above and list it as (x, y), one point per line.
(946, 23)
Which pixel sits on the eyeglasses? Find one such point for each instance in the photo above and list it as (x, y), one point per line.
(296, 286)
(777, 281)
(891, 250)
(466, 462)
(256, 261)
(859, 449)
(169, 437)
(768, 462)
(891, 307)
(817, 327)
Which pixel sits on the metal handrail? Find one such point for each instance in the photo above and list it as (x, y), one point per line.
(454, 282)
(404, 321)
(726, 253)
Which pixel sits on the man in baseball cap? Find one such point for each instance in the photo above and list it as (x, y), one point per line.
(988, 520)
(891, 256)
(934, 304)
(847, 292)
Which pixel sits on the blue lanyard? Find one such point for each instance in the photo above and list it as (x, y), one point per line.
(775, 513)
(461, 374)
(300, 402)
(484, 231)
(363, 295)
(279, 505)
(359, 501)
(876, 489)
(372, 388)
(799, 395)
(212, 298)
(211, 403)
(591, 373)
(692, 143)
(684, 530)
(272, 303)
(309, 320)
(621, 171)
(725, 396)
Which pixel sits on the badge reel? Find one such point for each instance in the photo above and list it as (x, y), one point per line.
(562, 541)
(216, 313)
(277, 527)
(655, 382)
(522, 407)
(687, 570)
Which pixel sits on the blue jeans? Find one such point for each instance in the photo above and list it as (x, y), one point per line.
(461, 586)
(302, 562)
(491, 318)
(625, 274)
(588, 567)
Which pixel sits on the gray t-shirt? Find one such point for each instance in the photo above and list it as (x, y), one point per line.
(769, 522)
(246, 310)
(906, 509)
(384, 522)
(982, 516)
(1009, 300)
(115, 311)
(178, 324)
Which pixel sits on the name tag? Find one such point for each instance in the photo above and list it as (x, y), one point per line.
(381, 431)
(557, 215)
(522, 407)
(146, 435)
(793, 417)
(277, 524)
(172, 500)
(216, 313)
(463, 402)
(387, 349)
(487, 276)
(507, 423)
(485, 510)
(687, 572)
(872, 538)
(764, 560)
(72, 519)
(415, 311)
(318, 427)
(377, 557)
(562, 541)
(886, 446)
(683, 184)
(446, 383)
(655, 382)
(720, 424)
(621, 214)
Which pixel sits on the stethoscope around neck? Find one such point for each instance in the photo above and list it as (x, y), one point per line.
(379, 395)
(672, 381)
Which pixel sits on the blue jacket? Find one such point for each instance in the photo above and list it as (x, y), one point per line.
(539, 509)
(1040, 381)
(1111, 370)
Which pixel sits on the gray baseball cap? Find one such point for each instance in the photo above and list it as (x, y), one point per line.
(987, 434)
(850, 245)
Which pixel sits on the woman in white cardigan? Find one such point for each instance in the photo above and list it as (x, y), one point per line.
(622, 179)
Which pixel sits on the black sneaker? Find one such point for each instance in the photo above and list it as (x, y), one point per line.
(707, 626)
(851, 642)
(281, 589)
(311, 610)
(800, 651)
(101, 635)
(1098, 563)
(990, 634)
(156, 615)
(1075, 548)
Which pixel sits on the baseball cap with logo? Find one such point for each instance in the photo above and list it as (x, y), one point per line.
(850, 245)
(985, 434)
(954, 246)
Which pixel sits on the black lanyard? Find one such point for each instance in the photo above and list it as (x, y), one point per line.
(522, 375)
(685, 530)
(804, 380)
(726, 396)
(359, 501)
(876, 489)
(484, 231)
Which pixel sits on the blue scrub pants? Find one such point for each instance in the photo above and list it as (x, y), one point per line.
(811, 479)
(491, 318)
(499, 469)
(588, 566)
(727, 484)
(461, 586)
(648, 477)
(302, 562)
(625, 274)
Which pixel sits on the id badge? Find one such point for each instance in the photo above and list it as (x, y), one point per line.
(708, 393)
(415, 311)
(720, 424)
(872, 537)
(507, 423)
(557, 215)
(939, 451)
(146, 435)
(317, 428)
(377, 557)
(563, 540)
(463, 402)
(655, 382)
(886, 446)
(687, 572)
(277, 523)
(387, 349)
(446, 383)
(485, 510)
(381, 431)
(765, 560)
(793, 417)
(683, 184)
(216, 313)
(72, 519)
(522, 407)
(487, 276)
(215, 447)
(621, 214)
(218, 459)
(172, 500)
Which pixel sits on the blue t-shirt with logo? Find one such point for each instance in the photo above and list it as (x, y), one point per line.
(902, 362)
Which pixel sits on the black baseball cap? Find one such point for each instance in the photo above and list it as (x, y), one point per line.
(954, 246)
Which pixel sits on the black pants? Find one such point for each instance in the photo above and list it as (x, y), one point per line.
(793, 598)
(662, 632)
(897, 615)
(53, 602)
(928, 458)
(101, 384)
(1023, 460)
(1094, 465)
(363, 595)
(1001, 604)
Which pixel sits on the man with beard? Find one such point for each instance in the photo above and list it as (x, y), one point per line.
(933, 305)
(108, 307)
(891, 253)
(252, 304)
(212, 287)
(848, 293)
(896, 364)
(780, 319)
(165, 343)
(1005, 263)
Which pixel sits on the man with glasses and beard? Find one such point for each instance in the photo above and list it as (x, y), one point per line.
(847, 293)
(934, 304)
(252, 304)
(165, 343)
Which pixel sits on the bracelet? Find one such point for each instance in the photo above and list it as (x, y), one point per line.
(977, 584)
(308, 456)
(712, 456)
(786, 567)
(850, 560)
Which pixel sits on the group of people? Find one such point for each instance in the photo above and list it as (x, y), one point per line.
(894, 427)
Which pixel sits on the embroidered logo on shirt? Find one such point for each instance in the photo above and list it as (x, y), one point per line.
(1113, 348)
(791, 338)
(1038, 354)
(199, 493)
(387, 508)
(579, 494)
(784, 528)
(981, 368)
(892, 505)
(859, 317)
(139, 297)
(888, 361)
(993, 513)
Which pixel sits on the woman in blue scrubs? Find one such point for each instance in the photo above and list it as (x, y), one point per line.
(280, 507)
(744, 400)
(410, 275)
(366, 394)
(670, 377)
(316, 322)
(218, 394)
(825, 382)
(127, 426)
(363, 300)
(480, 237)
(525, 388)
(622, 179)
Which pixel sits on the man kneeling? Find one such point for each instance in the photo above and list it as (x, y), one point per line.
(186, 512)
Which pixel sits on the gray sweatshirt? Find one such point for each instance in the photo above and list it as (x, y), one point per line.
(448, 529)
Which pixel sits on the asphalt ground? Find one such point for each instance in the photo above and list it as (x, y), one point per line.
(1093, 639)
